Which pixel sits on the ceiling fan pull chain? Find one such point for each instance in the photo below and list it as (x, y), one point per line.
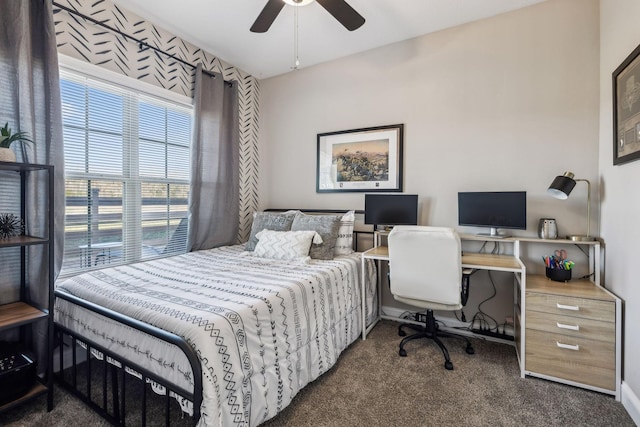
(296, 59)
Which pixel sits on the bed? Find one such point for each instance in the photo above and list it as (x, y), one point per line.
(231, 336)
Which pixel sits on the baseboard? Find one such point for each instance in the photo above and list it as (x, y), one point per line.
(630, 402)
(449, 322)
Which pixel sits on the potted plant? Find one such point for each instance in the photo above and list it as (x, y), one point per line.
(6, 139)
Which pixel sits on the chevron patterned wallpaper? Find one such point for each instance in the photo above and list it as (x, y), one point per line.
(81, 39)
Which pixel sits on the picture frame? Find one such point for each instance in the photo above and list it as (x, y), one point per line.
(626, 109)
(360, 160)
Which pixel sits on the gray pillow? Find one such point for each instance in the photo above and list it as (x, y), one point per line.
(326, 226)
(276, 221)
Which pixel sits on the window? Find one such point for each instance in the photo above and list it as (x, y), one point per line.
(126, 173)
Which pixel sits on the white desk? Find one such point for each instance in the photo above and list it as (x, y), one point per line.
(541, 329)
(476, 261)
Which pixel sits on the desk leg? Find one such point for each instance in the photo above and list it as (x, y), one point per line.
(363, 283)
(379, 288)
(378, 302)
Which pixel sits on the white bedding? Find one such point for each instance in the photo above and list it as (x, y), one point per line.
(263, 328)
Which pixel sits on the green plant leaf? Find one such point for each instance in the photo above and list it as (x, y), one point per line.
(7, 138)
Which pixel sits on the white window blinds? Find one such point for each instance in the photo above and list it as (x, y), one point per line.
(126, 173)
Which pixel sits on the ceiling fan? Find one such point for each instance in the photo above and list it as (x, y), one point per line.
(339, 9)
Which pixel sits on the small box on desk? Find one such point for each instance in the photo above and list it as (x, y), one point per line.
(558, 274)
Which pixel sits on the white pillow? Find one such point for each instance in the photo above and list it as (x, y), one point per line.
(344, 243)
(288, 245)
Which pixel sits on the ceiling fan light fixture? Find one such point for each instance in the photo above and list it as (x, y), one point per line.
(298, 2)
(339, 9)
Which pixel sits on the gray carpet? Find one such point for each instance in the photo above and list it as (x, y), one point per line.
(372, 386)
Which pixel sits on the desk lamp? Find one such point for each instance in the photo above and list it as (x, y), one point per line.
(561, 187)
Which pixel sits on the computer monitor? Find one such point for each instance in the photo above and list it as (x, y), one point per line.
(493, 209)
(391, 209)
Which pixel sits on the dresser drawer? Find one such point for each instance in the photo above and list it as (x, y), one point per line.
(572, 358)
(571, 306)
(571, 326)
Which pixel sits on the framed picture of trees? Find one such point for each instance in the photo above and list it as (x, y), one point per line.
(365, 160)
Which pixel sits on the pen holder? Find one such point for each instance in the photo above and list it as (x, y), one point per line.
(558, 274)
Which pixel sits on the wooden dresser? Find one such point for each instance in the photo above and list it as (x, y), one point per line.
(571, 332)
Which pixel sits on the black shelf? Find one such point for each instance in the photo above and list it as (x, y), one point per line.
(38, 389)
(17, 241)
(24, 313)
(19, 313)
(19, 167)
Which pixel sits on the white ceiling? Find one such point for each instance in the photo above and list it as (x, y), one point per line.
(221, 27)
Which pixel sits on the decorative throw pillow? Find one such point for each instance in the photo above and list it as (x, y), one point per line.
(344, 242)
(289, 245)
(277, 221)
(326, 226)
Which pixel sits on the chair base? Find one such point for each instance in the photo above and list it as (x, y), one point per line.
(432, 332)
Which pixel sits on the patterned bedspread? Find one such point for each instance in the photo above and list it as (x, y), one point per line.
(263, 328)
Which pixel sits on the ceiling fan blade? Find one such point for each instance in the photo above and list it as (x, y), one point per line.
(267, 16)
(344, 13)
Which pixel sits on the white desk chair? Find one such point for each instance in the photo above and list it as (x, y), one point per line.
(425, 270)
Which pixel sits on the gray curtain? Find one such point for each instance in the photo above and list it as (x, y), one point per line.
(213, 197)
(30, 102)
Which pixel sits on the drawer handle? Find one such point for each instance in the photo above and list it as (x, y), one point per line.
(572, 327)
(567, 307)
(568, 346)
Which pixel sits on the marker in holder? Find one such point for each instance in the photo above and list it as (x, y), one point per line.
(557, 267)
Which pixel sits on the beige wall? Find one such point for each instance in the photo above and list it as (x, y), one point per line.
(505, 103)
(619, 36)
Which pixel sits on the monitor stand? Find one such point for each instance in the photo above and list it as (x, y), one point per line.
(494, 234)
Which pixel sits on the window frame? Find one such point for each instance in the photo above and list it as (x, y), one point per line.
(131, 178)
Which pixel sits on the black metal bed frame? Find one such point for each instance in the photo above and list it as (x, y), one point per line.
(116, 412)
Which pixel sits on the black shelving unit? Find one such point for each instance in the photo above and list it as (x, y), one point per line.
(24, 313)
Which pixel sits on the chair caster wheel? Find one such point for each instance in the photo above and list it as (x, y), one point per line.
(448, 365)
(470, 350)
(402, 352)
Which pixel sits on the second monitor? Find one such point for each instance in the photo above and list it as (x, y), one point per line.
(493, 209)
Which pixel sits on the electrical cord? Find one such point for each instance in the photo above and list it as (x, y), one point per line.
(485, 321)
(462, 318)
(408, 315)
(480, 320)
(493, 286)
(504, 328)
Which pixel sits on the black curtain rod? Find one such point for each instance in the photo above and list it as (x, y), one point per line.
(142, 44)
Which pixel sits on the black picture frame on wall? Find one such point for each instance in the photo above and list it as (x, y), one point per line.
(626, 109)
(360, 160)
